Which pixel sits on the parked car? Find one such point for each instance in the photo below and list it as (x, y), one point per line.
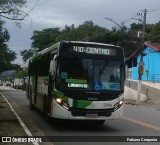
(19, 83)
(8, 83)
(1, 83)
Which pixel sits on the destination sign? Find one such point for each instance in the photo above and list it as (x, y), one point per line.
(93, 50)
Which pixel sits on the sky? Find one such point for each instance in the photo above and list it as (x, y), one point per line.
(58, 13)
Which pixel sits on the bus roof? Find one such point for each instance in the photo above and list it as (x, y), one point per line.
(57, 44)
(96, 43)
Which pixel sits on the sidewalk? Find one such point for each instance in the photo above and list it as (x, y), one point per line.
(148, 83)
(9, 124)
(150, 97)
(151, 84)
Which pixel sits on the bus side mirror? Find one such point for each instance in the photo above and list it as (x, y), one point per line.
(51, 68)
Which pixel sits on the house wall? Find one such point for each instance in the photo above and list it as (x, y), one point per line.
(151, 64)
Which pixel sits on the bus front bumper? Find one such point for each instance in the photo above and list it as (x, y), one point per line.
(85, 114)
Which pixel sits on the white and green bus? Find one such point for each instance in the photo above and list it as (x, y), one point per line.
(78, 80)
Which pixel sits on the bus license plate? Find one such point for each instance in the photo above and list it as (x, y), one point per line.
(91, 115)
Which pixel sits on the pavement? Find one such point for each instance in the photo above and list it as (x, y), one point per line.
(150, 92)
(153, 102)
(10, 125)
(151, 84)
(13, 129)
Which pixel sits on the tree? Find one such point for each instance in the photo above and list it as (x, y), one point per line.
(6, 55)
(47, 37)
(20, 74)
(88, 31)
(11, 9)
(155, 33)
(41, 40)
(4, 35)
(27, 54)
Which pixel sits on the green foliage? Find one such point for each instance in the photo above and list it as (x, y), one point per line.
(88, 31)
(155, 33)
(21, 74)
(10, 9)
(4, 35)
(27, 53)
(45, 38)
(136, 27)
(6, 55)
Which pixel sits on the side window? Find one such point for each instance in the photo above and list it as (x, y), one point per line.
(33, 67)
(44, 63)
(40, 66)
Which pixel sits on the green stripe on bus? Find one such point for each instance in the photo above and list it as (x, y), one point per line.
(81, 103)
(76, 103)
(76, 81)
(58, 94)
(36, 56)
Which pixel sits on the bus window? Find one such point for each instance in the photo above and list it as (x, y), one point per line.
(89, 74)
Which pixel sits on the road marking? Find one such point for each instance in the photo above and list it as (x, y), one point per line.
(149, 108)
(20, 120)
(142, 123)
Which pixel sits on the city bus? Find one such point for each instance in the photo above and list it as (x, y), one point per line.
(78, 81)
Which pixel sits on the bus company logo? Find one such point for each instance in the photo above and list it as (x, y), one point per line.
(6, 139)
(106, 105)
(92, 105)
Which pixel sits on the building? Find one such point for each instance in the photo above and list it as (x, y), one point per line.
(151, 61)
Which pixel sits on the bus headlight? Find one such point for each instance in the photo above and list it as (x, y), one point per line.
(59, 100)
(118, 105)
(62, 103)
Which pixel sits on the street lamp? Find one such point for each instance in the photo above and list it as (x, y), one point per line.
(113, 22)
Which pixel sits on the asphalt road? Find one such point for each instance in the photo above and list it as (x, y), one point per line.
(137, 121)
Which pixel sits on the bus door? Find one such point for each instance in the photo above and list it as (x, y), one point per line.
(51, 80)
(32, 82)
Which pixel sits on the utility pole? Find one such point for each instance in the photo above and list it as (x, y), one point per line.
(141, 63)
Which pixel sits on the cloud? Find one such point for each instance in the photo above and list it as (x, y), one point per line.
(58, 13)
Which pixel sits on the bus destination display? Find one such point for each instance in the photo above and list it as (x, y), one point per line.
(93, 50)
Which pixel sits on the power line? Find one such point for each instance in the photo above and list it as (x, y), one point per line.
(130, 18)
(154, 9)
(133, 17)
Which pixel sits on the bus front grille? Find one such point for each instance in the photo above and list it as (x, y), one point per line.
(91, 112)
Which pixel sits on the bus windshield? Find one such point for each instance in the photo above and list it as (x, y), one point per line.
(90, 74)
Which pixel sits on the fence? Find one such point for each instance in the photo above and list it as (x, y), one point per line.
(156, 78)
(151, 93)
